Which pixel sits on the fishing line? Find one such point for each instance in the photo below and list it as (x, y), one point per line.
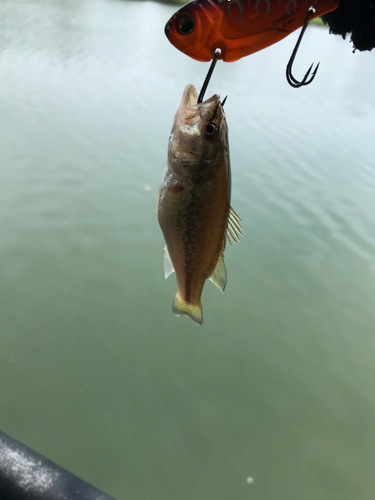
(209, 74)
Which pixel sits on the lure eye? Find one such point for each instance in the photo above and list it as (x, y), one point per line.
(210, 130)
(185, 25)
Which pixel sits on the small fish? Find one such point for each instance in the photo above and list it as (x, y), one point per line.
(238, 27)
(193, 206)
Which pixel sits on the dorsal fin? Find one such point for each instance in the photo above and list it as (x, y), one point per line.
(234, 229)
(219, 276)
(168, 266)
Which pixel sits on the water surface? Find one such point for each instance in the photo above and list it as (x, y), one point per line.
(96, 372)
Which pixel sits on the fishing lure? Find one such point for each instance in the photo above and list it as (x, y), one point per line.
(239, 27)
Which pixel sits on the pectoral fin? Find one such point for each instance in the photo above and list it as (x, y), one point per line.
(234, 229)
(168, 266)
(219, 276)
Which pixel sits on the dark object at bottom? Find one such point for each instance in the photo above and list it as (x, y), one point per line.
(356, 17)
(26, 475)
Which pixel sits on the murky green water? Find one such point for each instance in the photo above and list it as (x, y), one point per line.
(95, 371)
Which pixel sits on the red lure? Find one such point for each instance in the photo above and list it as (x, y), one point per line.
(238, 27)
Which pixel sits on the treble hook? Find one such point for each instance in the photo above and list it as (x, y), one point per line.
(209, 74)
(290, 78)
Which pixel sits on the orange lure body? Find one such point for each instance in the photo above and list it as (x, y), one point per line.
(238, 27)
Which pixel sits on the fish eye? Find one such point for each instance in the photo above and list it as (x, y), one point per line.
(185, 25)
(210, 130)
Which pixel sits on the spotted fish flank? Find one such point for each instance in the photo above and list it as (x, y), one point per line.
(193, 206)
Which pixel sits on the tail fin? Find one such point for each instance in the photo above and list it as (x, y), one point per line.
(180, 306)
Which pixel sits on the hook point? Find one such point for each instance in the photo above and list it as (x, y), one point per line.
(289, 76)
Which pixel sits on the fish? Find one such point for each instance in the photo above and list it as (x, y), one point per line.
(193, 205)
(238, 27)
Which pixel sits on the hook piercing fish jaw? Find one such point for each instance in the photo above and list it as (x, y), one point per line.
(209, 74)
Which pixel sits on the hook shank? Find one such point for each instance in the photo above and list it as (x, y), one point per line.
(209, 74)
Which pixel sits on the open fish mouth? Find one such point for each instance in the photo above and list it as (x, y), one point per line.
(189, 96)
(192, 111)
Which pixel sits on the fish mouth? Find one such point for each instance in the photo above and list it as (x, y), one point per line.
(190, 111)
(189, 96)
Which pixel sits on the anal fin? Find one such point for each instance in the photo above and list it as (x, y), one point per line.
(219, 276)
(168, 266)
